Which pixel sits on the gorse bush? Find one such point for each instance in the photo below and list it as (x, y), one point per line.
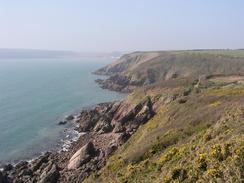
(201, 140)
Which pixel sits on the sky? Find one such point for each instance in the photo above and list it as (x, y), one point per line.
(121, 25)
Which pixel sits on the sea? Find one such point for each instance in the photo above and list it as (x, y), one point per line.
(35, 94)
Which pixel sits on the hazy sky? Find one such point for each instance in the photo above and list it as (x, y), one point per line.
(121, 25)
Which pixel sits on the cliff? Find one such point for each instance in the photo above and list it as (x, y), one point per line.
(188, 127)
(105, 127)
(196, 135)
(144, 68)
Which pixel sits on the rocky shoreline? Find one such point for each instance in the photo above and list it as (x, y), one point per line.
(104, 128)
(119, 83)
(107, 126)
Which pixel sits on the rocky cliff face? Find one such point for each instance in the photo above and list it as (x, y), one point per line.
(161, 132)
(144, 68)
(105, 128)
(196, 135)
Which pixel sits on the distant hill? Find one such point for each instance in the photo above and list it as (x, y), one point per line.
(35, 53)
(29, 53)
(113, 55)
(143, 68)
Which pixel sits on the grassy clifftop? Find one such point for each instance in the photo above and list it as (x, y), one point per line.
(196, 135)
(197, 132)
(143, 68)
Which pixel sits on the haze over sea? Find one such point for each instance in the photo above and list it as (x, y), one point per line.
(35, 94)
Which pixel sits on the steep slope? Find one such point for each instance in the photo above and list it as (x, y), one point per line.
(143, 68)
(185, 128)
(196, 135)
(104, 128)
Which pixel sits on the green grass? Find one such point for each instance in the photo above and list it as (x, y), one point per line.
(144, 68)
(201, 140)
(198, 140)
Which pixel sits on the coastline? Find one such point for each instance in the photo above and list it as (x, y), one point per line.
(100, 131)
(167, 108)
(48, 135)
(71, 138)
(68, 136)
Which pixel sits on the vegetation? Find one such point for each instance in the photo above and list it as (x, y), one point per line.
(143, 68)
(198, 140)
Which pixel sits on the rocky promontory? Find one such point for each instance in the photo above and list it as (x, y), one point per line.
(140, 69)
(178, 125)
(104, 127)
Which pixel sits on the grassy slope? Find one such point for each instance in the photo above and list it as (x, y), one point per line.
(198, 140)
(150, 67)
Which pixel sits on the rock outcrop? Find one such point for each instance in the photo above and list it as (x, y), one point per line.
(82, 156)
(116, 83)
(116, 117)
(50, 174)
(144, 68)
(106, 127)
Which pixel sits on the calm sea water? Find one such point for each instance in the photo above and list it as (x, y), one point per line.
(35, 94)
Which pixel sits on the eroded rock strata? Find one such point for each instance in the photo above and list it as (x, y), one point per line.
(182, 96)
(105, 128)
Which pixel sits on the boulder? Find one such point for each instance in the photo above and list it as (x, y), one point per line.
(50, 174)
(25, 172)
(122, 138)
(82, 156)
(104, 108)
(70, 117)
(111, 148)
(89, 119)
(7, 167)
(145, 114)
(114, 109)
(119, 128)
(38, 162)
(103, 126)
(62, 122)
(21, 165)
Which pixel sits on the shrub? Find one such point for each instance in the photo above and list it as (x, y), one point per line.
(239, 157)
(116, 164)
(216, 152)
(214, 173)
(179, 173)
(168, 156)
(202, 162)
(226, 150)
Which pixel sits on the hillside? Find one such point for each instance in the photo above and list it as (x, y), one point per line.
(7, 53)
(143, 68)
(185, 128)
(35, 53)
(196, 135)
